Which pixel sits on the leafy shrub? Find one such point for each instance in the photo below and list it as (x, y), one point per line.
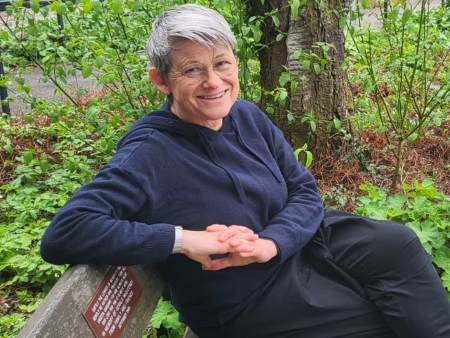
(420, 207)
(166, 316)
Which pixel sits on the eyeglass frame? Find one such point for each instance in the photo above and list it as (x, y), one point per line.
(204, 70)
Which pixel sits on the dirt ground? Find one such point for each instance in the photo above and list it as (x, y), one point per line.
(428, 157)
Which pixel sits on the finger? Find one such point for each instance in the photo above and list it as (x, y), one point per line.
(242, 229)
(249, 237)
(216, 227)
(248, 253)
(228, 234)
(242, 248)
(220, 264)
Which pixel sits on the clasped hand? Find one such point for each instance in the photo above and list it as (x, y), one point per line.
(241, 244)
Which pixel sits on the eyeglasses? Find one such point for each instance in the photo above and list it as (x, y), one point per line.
(223, 67)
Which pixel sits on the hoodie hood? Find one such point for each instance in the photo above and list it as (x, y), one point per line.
(163, 120)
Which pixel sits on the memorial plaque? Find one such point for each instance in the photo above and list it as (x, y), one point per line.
(113, 302)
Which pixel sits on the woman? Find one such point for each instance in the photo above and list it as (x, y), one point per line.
(209, 190)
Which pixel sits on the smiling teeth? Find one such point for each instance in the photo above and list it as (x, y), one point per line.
(214, 96)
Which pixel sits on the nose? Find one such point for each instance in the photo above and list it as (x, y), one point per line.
(211, 80)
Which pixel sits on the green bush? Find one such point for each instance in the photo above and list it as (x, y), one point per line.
(420, 207)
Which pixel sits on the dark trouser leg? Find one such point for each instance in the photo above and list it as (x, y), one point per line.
(302, 303)
(396, 272)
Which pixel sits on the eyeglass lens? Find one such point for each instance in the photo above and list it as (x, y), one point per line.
(224, 66)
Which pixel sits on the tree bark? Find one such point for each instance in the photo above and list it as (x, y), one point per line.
(325, 95)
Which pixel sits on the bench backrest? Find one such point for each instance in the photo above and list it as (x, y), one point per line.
(61, 312)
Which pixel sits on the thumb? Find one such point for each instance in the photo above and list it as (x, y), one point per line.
(220, 264)
(206, 263)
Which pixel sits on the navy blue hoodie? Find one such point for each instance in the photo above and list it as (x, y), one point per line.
(167, 172)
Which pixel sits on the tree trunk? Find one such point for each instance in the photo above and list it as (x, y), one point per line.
(324, 94)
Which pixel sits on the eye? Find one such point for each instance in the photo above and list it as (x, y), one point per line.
(222, 64)
(193, 70)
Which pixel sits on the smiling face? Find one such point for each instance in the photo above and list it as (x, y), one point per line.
(199, 95)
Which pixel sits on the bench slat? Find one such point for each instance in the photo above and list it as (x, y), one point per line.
(61, 312)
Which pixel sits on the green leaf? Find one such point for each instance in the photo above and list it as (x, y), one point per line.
(245, 30)
(4, 35)
(117, 6)
(316, 69)
(436, 48)
(61, 8)
(44, 165)
(275, 20)
(337, 124)
(34, 5)
(407, 13)
(8, 148)
(309, 159)
(446, 279)
(428, 233)
(374, 211)
(54, 117)
(413, 137)
(283, 94)
(284, 79)
(87, 6)
(20, 79)
(270, 110)
(256, 33)
(27, 156)
(164, 310)
(86, 71)
(99, 61)
(295, 5)
(329, 127)
(306, 64)
(115, 119)
(397, 201)
(442, 258)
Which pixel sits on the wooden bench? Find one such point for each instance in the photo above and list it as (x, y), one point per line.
(62, 312)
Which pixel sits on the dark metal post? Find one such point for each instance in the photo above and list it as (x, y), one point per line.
(3, 91)
(61, 29)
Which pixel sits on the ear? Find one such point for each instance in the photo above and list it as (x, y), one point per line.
(159, 81)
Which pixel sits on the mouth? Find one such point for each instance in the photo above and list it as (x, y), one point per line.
(213, 97)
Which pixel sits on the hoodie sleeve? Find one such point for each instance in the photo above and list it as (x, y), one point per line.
(296, 224)
(96, 224)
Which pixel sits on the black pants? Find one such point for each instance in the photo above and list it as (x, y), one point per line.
(357, 278)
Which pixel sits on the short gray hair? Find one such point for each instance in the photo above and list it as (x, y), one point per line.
(186, 22)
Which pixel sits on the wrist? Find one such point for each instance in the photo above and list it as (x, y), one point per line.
(271, 248)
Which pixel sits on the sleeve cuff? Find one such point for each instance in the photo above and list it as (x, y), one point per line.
(178, 243)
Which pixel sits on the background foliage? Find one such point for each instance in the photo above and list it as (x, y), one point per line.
(50, 152)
